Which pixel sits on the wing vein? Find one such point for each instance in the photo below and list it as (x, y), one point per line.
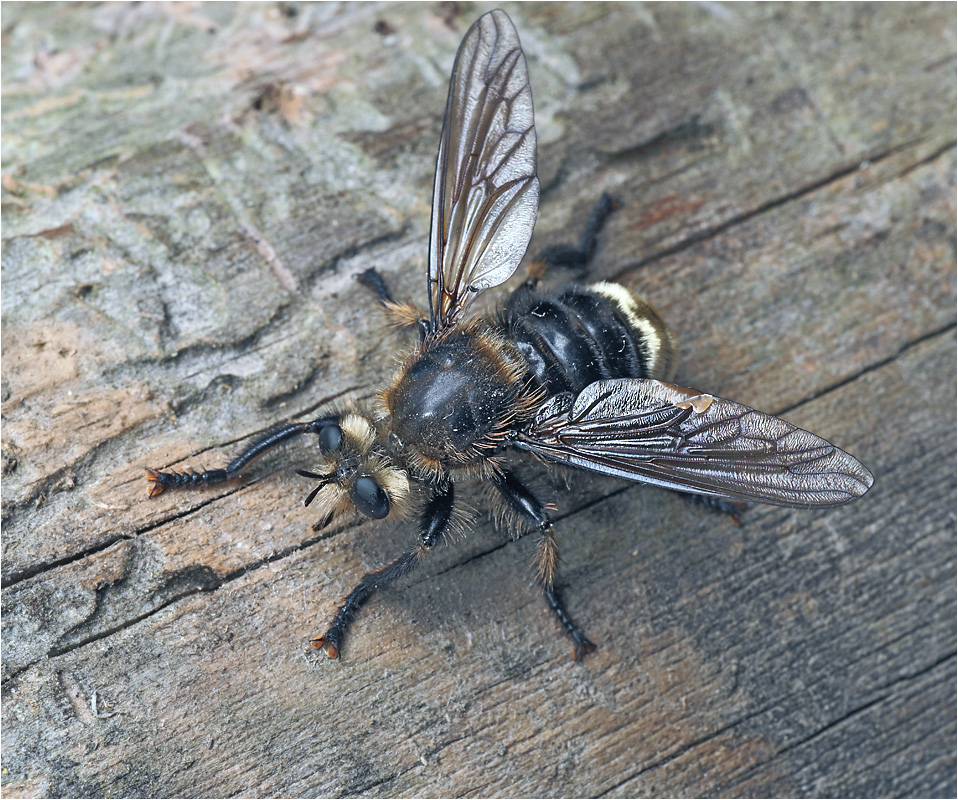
(486, 192)
(648, 431)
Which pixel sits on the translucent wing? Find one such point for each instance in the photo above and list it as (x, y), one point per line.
(655, 432)
(486, 193)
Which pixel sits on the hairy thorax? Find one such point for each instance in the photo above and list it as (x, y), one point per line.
(456, 397)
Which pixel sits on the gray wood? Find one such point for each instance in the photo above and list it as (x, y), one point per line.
(187, 193)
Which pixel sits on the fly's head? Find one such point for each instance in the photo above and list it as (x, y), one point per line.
(355, 472)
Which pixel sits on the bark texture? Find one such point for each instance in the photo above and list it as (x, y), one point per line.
(188, 191)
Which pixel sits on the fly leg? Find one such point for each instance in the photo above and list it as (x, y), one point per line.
(371, 279)
(574, 256)
(403, 315)
(161, 481)
(547, 556)
(329, 642)
(433, 526)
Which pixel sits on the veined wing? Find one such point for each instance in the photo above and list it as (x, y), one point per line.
(486, 193)
(659, 433)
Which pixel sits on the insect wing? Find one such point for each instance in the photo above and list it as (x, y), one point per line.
(659, 433)
(486, 193)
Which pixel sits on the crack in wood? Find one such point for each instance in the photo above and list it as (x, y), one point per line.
(925, 161)
(211, 586)
(869, 368)
(780, 702)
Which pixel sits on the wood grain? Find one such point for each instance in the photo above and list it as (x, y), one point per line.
(188, 191)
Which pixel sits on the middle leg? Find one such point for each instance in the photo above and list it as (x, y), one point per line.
(523, 501)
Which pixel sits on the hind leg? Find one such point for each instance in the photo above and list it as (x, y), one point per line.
(578, 255)
(720, 505)
(402, 315)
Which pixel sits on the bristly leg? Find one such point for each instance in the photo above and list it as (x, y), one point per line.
(722, 505)
(329, 642)
(188, 479)
(371, 279)
(581, 645)
(547, 555)
(277, 435)
(403, 315)
(575, 256)
(433, 527)
(436, 519)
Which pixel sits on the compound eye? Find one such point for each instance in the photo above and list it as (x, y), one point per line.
(369, 497)
(330, 438)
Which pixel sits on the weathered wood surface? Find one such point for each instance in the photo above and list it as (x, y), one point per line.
(187, 193)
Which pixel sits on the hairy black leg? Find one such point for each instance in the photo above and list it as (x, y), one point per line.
(402, 314)
(577, 256)
(329, 642)
(373, 280)
(547, 555)
(279, 434)
(581, 645)
(436, 516)
(433, 526)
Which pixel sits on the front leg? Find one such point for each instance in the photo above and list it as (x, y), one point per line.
(434, 524)
(547, 556)
(275, 436)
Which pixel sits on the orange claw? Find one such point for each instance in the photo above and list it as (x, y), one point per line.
(329, 648)
(154, 479)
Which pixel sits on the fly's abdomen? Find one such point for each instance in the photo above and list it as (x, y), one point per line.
(576, 335)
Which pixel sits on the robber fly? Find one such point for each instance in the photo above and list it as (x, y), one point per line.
(576, 375)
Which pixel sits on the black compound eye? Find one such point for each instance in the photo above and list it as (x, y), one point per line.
(330, 438)
(369, 497)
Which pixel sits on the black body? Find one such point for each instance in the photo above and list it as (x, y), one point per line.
(455, 393)
(460, 397)
(573, 336)
(578, 375)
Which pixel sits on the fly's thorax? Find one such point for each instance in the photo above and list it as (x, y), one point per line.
(456, 397)
(356, 471)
